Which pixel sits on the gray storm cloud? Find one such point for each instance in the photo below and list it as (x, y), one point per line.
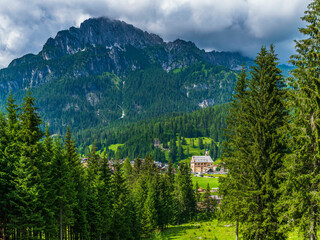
(229, 25)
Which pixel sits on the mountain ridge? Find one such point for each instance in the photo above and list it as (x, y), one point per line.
(109, 72)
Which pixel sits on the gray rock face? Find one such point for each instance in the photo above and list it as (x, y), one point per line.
(102, 45)
(97, 32)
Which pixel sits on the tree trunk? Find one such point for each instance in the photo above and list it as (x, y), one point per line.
(237, 230)
(313, 231)
(61, 237)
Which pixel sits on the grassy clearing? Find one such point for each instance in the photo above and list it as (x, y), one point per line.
(212, 230)
(194, 150)
(203, 181)
(114, 147)
(205, 230)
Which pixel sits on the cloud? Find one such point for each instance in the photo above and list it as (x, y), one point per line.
(229, 25)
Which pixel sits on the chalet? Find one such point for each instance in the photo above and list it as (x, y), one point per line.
(202, 164)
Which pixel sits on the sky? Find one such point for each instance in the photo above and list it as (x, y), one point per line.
(223, 25)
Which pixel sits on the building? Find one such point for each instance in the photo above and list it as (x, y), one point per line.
(202, 164)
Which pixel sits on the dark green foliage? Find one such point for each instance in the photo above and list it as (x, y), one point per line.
(80, 226)
(208, 203)
(105, 199)
(158, 155)
(63, 190)
(127, 168)
(48, 193)
(186, 199)
(138, 139)
(93, 208)
(123, 216)
(27, 180)
(301, 190)
(173, 150)
(255, 149)
(200, 143)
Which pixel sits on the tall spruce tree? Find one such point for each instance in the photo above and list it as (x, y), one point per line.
(185, 196)
(64, 190)
(28, 180)
(256, 148)
(105, 198)
(5, 179)
(235, 157)
(47, 192)
(208, 203)
(301, 190)
(79, 230)
(123, 216)
(11, 156)
(93, 207)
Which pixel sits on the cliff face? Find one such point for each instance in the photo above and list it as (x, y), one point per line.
(97, 32)
(104, 45)
(111, 71)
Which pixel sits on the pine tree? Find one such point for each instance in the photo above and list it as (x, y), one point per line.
(10, 147)
(208, 203)
(79, 191)
(173, 150)
(93, 207)
(27, 169)
(105, 198)
(200, 143)
(127, 168)
(180, 152)
(136, 166)
(301, 194)
(198, 195)
(5, 179)
(232, 208)
(256, 148)
(47, 192)
(123, 216)
(171, 203)
(62, 184)
(184, 194)
(149, 216)
(164, 201)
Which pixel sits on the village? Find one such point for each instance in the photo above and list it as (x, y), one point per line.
(201, 167)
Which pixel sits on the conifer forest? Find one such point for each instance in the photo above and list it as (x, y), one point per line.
(69, 185)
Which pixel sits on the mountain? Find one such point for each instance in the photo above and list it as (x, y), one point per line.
(108, 72)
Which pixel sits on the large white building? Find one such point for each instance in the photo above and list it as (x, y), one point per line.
(202, 164)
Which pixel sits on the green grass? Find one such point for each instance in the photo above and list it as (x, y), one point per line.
(175, 71)
(193, 150)
(213, 230)
(114, 147)
(203, 181)
(198, 230)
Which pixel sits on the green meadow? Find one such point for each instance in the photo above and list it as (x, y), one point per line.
(210, 230)
(203, 181)
(205, 230)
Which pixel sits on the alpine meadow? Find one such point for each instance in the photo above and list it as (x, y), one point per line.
(111, 132)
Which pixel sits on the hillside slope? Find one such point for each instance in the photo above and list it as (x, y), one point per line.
(108, 72)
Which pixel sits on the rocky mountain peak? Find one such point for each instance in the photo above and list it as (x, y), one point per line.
(97, 32)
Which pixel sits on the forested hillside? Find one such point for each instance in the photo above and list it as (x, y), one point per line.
(109, 73)
(138, 139)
